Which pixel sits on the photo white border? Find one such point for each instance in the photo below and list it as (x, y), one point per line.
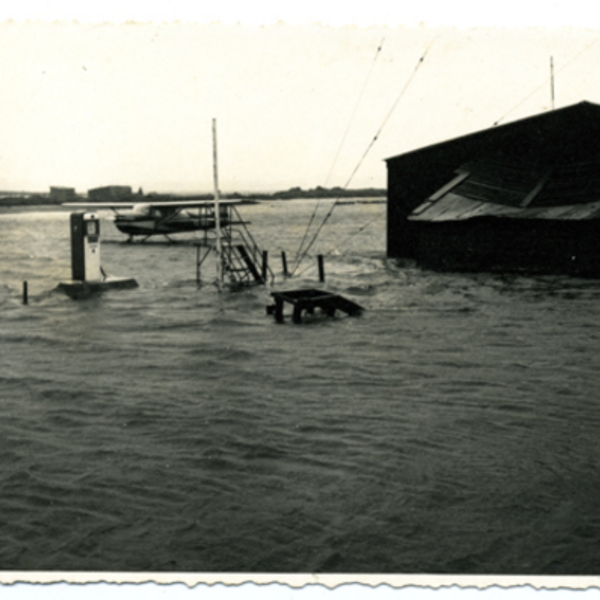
(431, 13)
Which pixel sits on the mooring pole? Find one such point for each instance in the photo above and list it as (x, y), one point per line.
(25, 298)
(265, 265)
(321, 268)
(218, 248)
(284, 263)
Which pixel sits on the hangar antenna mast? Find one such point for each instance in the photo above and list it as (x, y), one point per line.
(552, 81)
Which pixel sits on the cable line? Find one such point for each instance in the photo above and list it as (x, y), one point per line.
(386, 119)
(409, 81)
(298, 253)
(314, 214)
(377, 52)
(345, 240)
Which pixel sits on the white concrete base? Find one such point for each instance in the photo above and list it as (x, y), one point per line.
(84, 289)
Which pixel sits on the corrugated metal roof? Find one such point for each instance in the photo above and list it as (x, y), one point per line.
(511, 189)
(453, 207)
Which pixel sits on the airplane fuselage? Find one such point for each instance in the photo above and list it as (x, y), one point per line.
(132, 224)
(163, 217)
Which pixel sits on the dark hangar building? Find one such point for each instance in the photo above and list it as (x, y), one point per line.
(520, 197)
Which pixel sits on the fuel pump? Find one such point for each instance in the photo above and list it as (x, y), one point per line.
(87, 276)
(85, 247)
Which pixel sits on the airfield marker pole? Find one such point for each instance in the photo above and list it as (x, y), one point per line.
(25, 299)
(284, 263)
(321, 268)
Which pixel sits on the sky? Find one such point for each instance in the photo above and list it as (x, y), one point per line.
(311, 99)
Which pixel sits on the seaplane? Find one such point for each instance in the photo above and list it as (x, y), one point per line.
(163, 217)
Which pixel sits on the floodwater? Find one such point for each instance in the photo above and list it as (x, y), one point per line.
(452, 428)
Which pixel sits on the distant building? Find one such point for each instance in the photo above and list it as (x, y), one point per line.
(524, 196)
(59, 195)
(109, 193)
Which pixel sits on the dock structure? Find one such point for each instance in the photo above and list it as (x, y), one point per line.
(241, 260)
(308, 300)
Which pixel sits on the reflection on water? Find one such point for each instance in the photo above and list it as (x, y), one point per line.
(451, 428)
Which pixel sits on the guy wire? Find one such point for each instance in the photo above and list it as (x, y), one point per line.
(420, 61)
(377, 52)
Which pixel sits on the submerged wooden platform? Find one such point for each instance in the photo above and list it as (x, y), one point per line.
(84, 289)
(308, 300)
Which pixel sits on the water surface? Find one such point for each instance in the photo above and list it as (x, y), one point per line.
(453, 428)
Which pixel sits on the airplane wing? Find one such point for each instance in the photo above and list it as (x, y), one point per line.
(159, 204)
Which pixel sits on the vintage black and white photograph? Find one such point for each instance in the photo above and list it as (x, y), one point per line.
(299, 298)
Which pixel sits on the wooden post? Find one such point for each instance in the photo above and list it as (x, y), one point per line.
(297, 315)
(25, 298)
(265, 265)
(278, 309)
(284, 263)
(321, 268)
(197, 264)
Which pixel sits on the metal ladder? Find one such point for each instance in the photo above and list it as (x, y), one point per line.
(243, 261)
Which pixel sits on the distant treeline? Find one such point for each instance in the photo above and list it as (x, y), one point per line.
(292, 193)
(31, 200)
(318, 192)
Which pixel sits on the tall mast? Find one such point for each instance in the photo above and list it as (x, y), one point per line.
(552, 81)
(218, 247)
